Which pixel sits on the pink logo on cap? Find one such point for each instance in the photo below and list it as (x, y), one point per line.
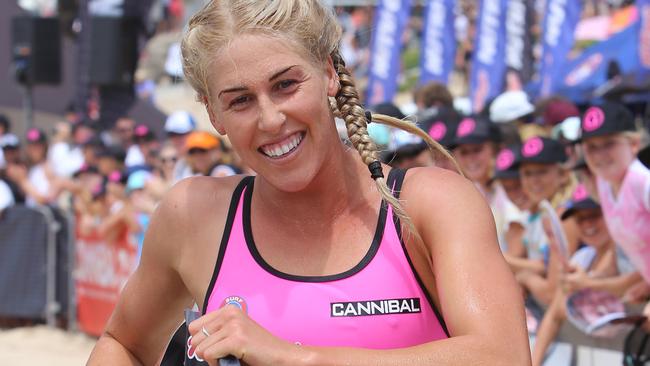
(466, 126)
(505, 159)
(33, 134)
(141, 130)
(438, 131)
(580, 193)
(532, 147)
(594, 118)
(114, 176)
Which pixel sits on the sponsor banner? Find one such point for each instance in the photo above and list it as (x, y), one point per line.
(643, 7)
(519, 46)
(389, 22)
(101, 270)
(562, 17)
(438, 41)
(582, 75)
(488, 63)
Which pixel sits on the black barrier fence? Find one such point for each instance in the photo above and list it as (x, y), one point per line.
(36, 264)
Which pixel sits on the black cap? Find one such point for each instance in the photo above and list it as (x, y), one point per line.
(85, 168)
(579, 201)
(441, 126)
(605, 119)
(505, 166)
(388, 109)
(35, 136)
(474, 130)
(542, 150)
(114, 152)
(142, 133)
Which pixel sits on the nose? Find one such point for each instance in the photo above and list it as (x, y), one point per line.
(271, 118)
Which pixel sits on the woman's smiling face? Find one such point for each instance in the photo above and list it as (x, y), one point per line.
(272, 102)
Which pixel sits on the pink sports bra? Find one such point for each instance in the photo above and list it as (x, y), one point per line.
(381, 303)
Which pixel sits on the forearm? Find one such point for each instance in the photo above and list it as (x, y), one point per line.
(462, 350)
(616, 286)
(520, 264)
(109, 351)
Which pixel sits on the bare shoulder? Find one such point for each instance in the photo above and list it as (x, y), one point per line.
(187, 227)
(433, 195)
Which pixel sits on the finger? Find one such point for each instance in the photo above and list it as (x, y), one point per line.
(215, 347)
(195, 326)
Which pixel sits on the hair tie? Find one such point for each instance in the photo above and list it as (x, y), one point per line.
(368, 117)
(375, 169)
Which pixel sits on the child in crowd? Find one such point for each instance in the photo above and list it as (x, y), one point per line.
(474, 147)
(543, 177)
(594, 266)
(610, 145)
(515, 209)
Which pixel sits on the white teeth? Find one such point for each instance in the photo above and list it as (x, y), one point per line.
(281, 149)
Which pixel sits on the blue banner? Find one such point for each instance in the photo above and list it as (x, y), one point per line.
(562, 17)
(580, 77)
(519, 45)
(438, 42)
(643, 6)
(488, 62)
(390, 19)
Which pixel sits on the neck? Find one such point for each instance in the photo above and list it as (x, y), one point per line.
(341, 177)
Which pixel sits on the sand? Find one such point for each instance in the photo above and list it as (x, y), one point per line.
(41, 345)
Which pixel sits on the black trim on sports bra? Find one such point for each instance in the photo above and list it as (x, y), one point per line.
(232, 210)
(394, 181)
(248, 234)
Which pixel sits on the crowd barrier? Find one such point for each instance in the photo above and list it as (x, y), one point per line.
(36, 248)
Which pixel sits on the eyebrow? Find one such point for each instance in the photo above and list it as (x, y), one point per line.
(243, 88)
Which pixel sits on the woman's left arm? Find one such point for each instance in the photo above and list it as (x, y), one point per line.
(479, 299)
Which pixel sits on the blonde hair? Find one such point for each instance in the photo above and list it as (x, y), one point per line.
(313, 30)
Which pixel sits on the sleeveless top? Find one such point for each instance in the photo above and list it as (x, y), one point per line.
(628, 215)
(381, 303)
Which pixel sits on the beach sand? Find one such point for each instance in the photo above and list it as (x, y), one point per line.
(41, 345)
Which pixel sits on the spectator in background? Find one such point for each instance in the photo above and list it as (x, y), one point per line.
(513, 113)
(513, 212)
(441, 125)
(142, 204)
(543, 177)
(178, 126)
(10, 145)
(433, 95)
(147, 144)
(5, 128)
(203, 152)
(66, 154)
(163, 173)
(36, 177)
(123, 135)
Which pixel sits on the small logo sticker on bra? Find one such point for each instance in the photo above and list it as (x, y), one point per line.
(237, 301)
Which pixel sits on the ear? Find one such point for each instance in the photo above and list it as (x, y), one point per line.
(213, 119)
(333, 83)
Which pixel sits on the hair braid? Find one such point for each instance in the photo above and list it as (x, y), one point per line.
(354, 115)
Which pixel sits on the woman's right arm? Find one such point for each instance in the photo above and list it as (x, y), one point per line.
(152, 302)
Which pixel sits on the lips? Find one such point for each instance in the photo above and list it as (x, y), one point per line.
(284, 147)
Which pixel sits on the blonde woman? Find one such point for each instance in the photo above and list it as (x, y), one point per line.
(310, 253)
